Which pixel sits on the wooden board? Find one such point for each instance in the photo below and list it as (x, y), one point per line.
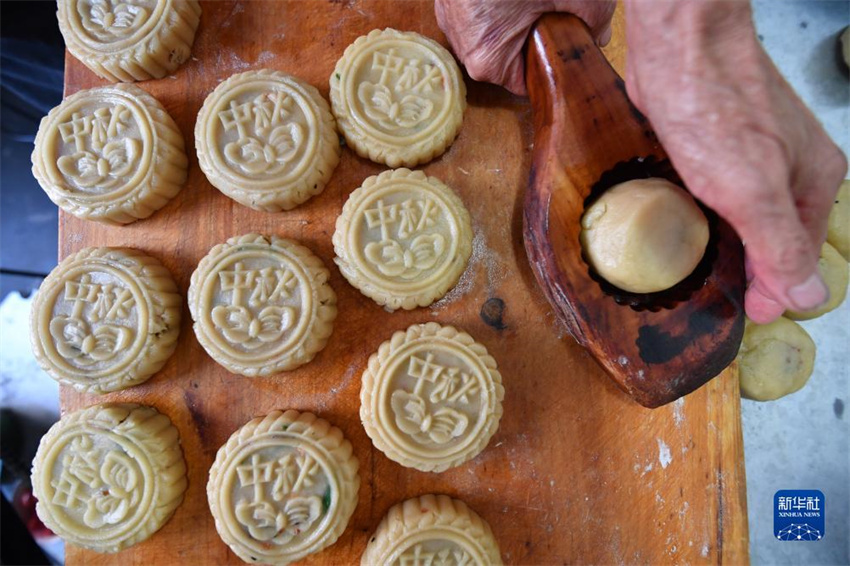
(576, 473)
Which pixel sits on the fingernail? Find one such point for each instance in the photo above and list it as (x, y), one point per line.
(809, 294)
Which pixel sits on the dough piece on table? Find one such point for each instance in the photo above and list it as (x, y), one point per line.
(644, 235)
(775, 359)
(845, 46)
(111, 154)
(132, 41)
(403, 239)
(838, 227)
(836, 274)
(398, 97)
(267, 140)
(105, 319)
(431, 397)
(261, 305)
(432, 529)
(283, 487)
(109, 476)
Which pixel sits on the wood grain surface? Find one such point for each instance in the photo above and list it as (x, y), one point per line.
(577, 472)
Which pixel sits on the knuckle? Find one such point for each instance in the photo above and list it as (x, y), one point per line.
(788, 252)
(835, 163)
(478, 70)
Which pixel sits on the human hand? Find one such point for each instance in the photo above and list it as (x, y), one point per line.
(488, 35)
(741, 140)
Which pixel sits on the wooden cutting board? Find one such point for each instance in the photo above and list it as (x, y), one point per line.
(576, 473)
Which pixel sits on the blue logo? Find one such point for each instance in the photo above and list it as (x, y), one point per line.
(799, 515)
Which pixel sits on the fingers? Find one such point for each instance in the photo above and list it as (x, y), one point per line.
(816, 184)
(605, 37)
(751, 191)
(596, 14)
(760, 307)
(488, 36)
(514, 78)
(781, 251)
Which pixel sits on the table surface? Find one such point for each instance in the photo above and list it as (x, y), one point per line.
(576, 473)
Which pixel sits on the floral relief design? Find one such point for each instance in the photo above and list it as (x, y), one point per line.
(255, 315)
(268, 138)
(291, 509)
(403, 251)
(433, 412)
(413, 417)
(380, 105)
(109, 20)
(105, 484)
(406, 94)
(97, 329)
(393, 260)
(103, 171)
(104, 155)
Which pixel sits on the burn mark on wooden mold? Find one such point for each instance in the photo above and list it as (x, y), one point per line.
(492, 313)
(657, 346)
(574, 54)
(620, 85)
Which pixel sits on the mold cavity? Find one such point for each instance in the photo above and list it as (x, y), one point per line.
(645, 168)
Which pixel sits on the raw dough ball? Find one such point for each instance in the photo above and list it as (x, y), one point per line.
(261, 305)
(109, 476)
(283, 487)
(836, 274)
(431, 397)
(105, 319)
(267, 140)
(845, 45)
(644, 235)
(111, 154)
(398, 97)
(775, 359)
(129, 41)
(403, 239)
(838, 227)
(432, 529)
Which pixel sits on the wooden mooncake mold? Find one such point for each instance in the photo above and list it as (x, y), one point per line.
(129, 41)
(431, 397)
(105, 319)
(398, 97)
(283, 487)
(432, 529)
(261, 305)
(111, 154)
(109, 476)
(403, 239)
(267, 140)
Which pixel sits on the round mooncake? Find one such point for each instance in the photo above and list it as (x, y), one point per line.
(398, 97)
(109, 476)
(111, 154)
(432, 529)
(431, 397)
(105, 319)
(261, 305)
(283, 487)
(267, 140)
(403, 239)
(129, 41)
